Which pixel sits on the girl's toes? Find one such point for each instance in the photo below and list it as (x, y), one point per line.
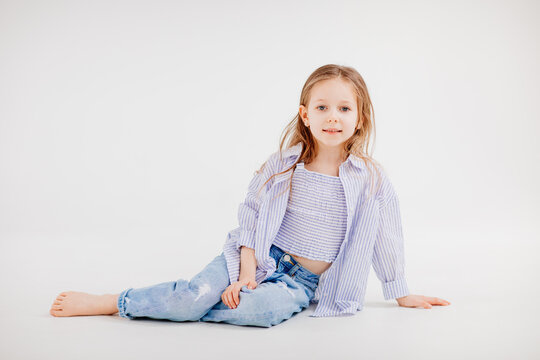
(57, 307)
(57, 303)
(56, 313)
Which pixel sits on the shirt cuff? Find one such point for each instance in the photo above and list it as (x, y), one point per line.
(247, 239)
(395, 289)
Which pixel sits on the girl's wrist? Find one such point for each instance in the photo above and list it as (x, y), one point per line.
(246, 278)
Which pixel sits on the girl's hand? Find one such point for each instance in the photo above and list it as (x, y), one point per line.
(420, 300)
(230, 295)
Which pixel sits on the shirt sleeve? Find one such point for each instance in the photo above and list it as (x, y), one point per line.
(248, 210)
(388, 255)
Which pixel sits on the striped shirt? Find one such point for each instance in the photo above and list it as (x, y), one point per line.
(315, 220)
(373, 236)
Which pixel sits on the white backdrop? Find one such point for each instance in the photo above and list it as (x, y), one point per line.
(129, 131)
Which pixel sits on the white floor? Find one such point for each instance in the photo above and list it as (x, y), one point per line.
(494, 312)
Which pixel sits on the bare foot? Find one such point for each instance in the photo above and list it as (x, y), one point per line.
(73, 303)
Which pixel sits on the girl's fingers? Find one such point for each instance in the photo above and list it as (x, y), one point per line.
(235, 296)
(231, 299)
(224, 298)
(437, 301)
(228, 298)
(421, 301)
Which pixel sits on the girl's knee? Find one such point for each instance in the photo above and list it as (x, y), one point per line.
(256, 308)
(192, 302)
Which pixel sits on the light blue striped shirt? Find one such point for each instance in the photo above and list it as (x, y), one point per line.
(373, 235)
(315, 220)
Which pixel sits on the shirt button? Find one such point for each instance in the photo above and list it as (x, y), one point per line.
(286, 257)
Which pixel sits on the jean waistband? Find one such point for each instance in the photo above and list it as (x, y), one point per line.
(290, 265)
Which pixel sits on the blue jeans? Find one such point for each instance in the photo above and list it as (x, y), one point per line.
(288, 291)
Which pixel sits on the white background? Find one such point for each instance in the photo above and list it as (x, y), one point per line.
(129, 131)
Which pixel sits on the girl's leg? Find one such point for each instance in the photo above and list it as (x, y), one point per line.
(273, 301)
(179, 300)
(73, 303)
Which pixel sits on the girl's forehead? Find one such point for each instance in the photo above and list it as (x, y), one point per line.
(333, 90)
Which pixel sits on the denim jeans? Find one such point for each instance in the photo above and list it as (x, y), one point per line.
(288, 291)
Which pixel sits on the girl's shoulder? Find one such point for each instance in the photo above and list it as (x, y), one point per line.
(385, 189)
(279, 160)
(376, 178)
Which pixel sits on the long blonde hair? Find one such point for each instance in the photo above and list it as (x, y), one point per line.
(296, 132)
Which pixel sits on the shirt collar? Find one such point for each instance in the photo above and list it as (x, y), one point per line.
(295, 150)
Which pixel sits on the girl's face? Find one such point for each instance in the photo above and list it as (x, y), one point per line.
(332, 105)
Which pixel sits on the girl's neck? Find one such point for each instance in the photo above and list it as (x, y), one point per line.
(330, 157)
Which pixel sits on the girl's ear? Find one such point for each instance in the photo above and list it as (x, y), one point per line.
(303, 113)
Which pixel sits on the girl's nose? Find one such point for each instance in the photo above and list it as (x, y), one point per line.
(333, 116)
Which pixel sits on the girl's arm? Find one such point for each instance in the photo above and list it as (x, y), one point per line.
(248, 211)
(388, 255)
(248, 265)
(389, 259)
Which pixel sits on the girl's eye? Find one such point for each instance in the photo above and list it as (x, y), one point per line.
(343, 107)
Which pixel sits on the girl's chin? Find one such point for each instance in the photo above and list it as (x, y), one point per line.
(335, 142)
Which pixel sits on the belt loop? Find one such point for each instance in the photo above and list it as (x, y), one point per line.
(293, 270)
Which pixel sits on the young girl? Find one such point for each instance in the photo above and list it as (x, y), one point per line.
(316, 217)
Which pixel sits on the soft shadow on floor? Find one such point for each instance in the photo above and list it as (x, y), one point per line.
(379, 304)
